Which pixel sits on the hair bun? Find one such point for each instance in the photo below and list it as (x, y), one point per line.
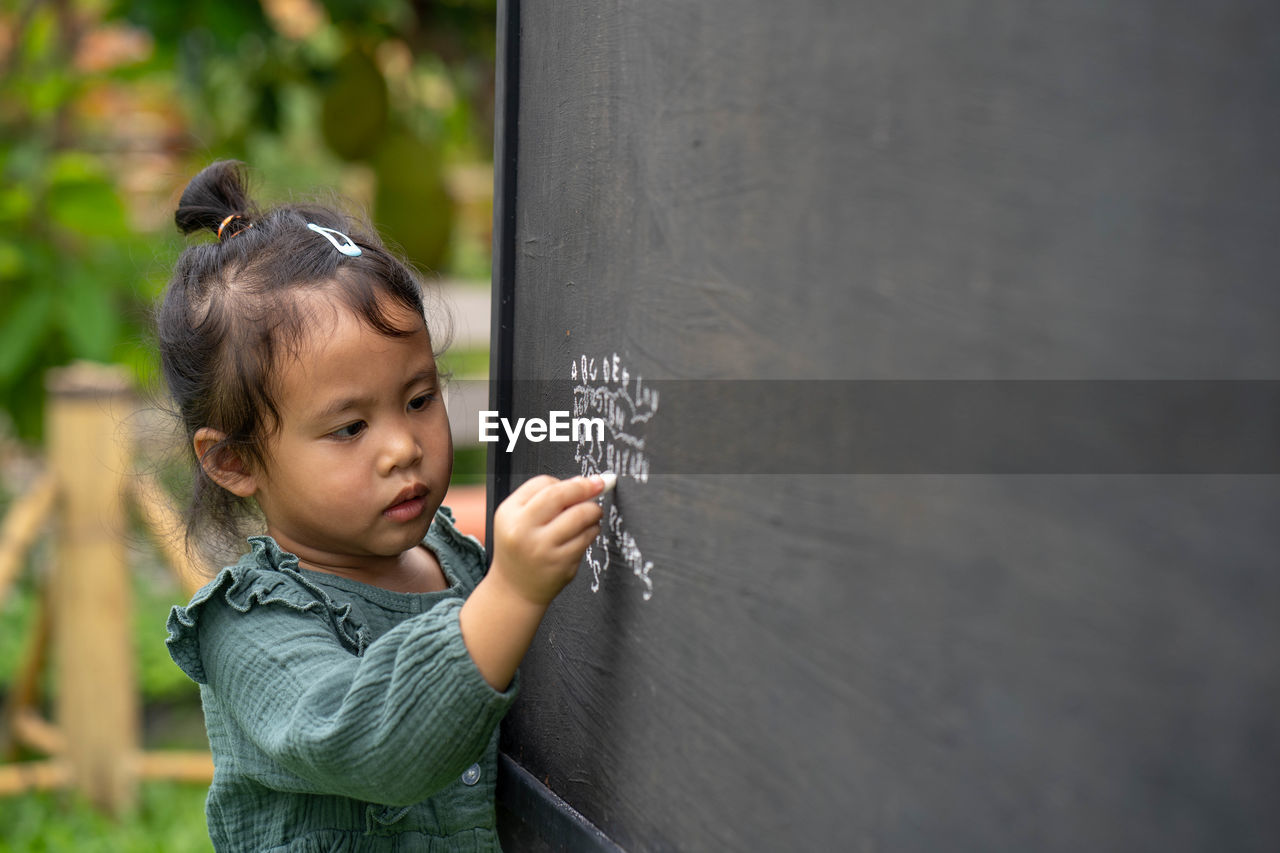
(216, 193)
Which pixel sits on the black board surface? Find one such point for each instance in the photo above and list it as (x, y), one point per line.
(746, 232)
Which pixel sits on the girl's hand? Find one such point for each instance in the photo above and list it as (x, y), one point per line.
(540, 533)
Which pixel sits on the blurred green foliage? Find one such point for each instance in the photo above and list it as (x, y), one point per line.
(107, 107)
(70, 281)
(462, 363)
(169, 818)
(155, 591)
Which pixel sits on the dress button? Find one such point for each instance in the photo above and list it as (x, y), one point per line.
(471, 775)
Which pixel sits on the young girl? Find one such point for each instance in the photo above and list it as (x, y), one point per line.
(355, 663)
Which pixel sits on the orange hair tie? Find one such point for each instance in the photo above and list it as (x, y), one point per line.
(228, 221)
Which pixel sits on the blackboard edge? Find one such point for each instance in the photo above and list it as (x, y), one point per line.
(502, 326)
(538, 810)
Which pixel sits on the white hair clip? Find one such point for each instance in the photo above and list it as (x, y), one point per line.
(345, 246)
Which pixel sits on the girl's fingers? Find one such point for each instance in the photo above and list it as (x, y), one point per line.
(555, 498)
(530, 488)
(572, 522)
(578, 544)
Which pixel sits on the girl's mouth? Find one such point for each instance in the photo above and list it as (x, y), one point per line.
(408, 506)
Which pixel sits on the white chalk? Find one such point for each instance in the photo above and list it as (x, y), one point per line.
(610, 480)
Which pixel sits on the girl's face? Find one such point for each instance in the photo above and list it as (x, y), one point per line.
(363, 453)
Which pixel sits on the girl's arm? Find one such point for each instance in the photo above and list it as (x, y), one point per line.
(392, 726)
(399, 722)
(540, 533)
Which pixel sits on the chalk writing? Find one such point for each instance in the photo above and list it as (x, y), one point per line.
(607, 389)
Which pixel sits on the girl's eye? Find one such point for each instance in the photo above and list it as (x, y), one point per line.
(350, 430)
(417, 404)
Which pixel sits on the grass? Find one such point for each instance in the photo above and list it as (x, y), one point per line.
(168, 818)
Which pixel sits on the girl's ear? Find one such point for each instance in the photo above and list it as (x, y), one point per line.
(223, 465)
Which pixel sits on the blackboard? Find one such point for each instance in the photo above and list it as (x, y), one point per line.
(953, 524)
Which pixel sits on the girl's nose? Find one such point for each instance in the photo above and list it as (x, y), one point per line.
(402, 449)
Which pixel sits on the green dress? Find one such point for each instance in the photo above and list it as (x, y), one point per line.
(342, 716)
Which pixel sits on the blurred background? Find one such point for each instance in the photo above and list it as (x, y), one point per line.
(106, 110)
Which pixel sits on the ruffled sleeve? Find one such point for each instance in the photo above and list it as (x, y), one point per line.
(448, 541)
(326, 711)
(263, 577)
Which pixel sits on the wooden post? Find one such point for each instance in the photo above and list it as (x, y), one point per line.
(24, 690)
(89, 455)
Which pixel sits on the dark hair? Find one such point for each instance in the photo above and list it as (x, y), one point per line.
(231, 310)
